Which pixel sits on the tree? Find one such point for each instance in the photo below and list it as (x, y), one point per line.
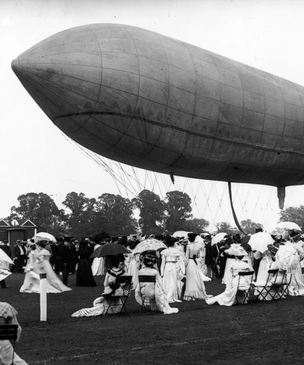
(226, 227)
(115, 215)
(80, 222)
(42, 211)
(250, 227)
(151, 211)
(293, 214)
(178, 210)
(196, 225)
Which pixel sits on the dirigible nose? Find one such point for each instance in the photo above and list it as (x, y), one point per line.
(59, 75)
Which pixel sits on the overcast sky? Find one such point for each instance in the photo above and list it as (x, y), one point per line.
(37, 157)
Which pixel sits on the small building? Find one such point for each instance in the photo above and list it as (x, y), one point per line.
(12, 232)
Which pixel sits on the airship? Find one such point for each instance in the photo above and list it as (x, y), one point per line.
(157, 103)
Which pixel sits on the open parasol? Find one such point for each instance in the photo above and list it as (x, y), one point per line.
(180, 234)
(41, 236)
(289, 226)
(5, 258)
(218, 238)
(150, 244)
(259, 241)
(109, 249)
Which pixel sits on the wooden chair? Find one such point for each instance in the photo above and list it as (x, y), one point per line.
(148, 302)
(9, 332)
(244, 290)
(117, 302)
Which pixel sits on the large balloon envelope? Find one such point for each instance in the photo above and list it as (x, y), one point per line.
(157, 103)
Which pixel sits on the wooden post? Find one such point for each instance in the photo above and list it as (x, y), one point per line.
(43, 297)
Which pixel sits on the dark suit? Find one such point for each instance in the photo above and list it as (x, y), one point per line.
(20, 254)
(66, 257)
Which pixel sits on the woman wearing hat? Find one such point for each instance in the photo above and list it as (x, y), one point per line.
(153, 289)
(195, 287)
(228, 297)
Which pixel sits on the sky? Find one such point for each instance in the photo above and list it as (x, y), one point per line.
(37, 157)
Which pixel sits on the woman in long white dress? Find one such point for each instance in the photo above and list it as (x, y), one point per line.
(153, 290)
(228, 297)
(38, 263)
(171, 264)
(101, 304)
(264, 266)
(133, 263)
(288, 257)
(195, 287)
(98, 264)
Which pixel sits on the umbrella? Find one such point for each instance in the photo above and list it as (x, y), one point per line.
(180, 234)
(288, 226)
(109, 249)
(41, 236)
(260, 241)
(4, 274)
(218, 238)
(4, 257)
(150, 244)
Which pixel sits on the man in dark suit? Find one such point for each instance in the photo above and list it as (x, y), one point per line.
(66, 257)
(20, 254)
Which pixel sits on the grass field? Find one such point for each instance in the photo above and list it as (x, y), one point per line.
(257, 333)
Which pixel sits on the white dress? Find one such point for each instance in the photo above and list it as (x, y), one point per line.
(98, 264)
(195, 287)
(132, 262)
(228, 297)
(265, 265)
(101, 304)
(288, 258)
(38, 263)
(154, 291)
(172, 272)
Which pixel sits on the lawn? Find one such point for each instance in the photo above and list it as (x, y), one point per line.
(256, 333)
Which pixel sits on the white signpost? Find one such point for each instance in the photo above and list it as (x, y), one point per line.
(43, 297)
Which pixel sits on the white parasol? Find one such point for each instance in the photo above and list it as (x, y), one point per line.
(150, 244)
(218, 238)
(41, 236)
(259, 241)
(4, 257)
(289, 226)
(180, 234)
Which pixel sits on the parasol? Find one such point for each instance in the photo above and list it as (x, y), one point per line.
(218, 238)
(259, 241)
(289, 226)
(4, 257)
(44, 236)
(180, 234)
(150, 244)
(109, 249)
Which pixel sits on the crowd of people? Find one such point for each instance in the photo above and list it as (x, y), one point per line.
(180, 265)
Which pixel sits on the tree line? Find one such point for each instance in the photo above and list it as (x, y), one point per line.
(118, 216)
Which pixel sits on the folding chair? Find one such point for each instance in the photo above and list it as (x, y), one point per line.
(148, 301)
(282, 285)
(268, 290)
(244, 287)
(9, 332)
(117, 301)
